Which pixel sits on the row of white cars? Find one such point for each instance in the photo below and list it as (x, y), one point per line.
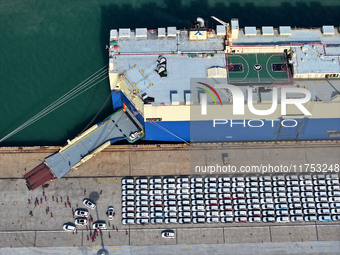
(265, 198)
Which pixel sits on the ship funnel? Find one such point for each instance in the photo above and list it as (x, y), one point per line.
(200, 21)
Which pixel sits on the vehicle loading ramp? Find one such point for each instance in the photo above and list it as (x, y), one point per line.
(118, 126)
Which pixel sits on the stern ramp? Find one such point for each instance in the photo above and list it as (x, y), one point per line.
(118, 126)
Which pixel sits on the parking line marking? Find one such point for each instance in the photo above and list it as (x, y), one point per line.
(139, 247)
(252, 244)
(116, 248)
(207, 246)
(303, 243)
(23, 249)
(164, 247)
(231, 245)
(326, 243)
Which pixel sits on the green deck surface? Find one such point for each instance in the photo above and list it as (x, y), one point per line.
(265, 75)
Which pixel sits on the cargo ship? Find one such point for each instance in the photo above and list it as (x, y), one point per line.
(221, 84)
(162, 74)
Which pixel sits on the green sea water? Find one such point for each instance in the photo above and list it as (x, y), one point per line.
(48, 47)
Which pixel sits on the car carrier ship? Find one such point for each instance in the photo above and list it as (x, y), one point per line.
(221, 84)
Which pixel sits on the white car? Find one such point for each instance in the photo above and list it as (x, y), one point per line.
(99, 225)
(254, 207)
(213, 219)
(241, 219)
(184, 214)
(155, 180)
(322, 205)
(210, 179)
(156, 209)
(128, 221)
(128, 186)
(293, 189)
(182, 186)
(156, 197)
(81, 212)
(226, 214)
(110, 212)
(268, 219)
(169, 186)
(254, 219)
(211, 208)
(198, 220)
(142, 186)
(279, 178)
(296, 218)
(142, 215)
(240, 213)
(131, 203)
(265, 178)
(227, 219)
(88, 203)
(156, 221)
(182, 191)
(184, 208)
(237, 179)
(168, 234)
(140, 209)
(197, 202)
(224, 179)
(184, 220)
(170, 215)
(128, 180)
(154, 192)
(141, 203)
(279, 189)
(282, 213)
(138, 198)
(292, 177)
(167, 180)
(198, 214)
(225, 202)
(282, 219)
(170, 203)
(296, 212)
(198, 208)
(141, 221)
(196, 179)
(170, 220)
(128, 192)
(268, 206)
(196, 185)
(169, 192)
(69, 227)
(142, 192)
(135, 135)
(80, 221)
(254, 213)
(128, 215)
(183, 179)
(238, 184)
(268, 213)
(142, 180)
(196, 191)
(170, 209)
(305, 177)
(293, 183)
(184, 202)
(310, 218)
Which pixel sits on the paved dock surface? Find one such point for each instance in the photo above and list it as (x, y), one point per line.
(100, 179)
